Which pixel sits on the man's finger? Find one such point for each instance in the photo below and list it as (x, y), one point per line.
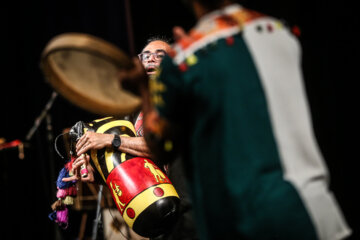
(83, 147)
(69, 179)
(82, 140)
(79, 161)
(82, 150)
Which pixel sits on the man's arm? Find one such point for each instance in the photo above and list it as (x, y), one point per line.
(133, 145)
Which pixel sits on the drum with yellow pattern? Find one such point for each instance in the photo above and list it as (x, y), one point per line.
(143, 194)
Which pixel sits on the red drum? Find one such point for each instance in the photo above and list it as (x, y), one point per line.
(144, 195)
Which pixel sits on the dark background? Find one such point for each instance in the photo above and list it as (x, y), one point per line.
(329, 41)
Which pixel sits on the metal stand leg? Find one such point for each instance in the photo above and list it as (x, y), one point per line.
(98, 215)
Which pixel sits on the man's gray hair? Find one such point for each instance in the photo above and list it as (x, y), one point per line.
(158, 38)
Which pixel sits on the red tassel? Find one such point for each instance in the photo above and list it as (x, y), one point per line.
(72, 191)
(69, 164)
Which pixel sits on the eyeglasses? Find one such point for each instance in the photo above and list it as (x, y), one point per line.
(158, 55)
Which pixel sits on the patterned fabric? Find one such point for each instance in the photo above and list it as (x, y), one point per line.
(139, 125)
(256, 171)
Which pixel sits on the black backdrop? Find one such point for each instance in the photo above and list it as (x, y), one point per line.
(329, 49)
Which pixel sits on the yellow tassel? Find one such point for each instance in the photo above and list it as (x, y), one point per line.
(69, 200)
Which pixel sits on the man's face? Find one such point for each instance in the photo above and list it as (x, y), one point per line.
(152, 55)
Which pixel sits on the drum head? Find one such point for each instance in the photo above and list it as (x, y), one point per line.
(84, 69)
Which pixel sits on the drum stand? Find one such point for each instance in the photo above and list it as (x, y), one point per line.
(98, 215)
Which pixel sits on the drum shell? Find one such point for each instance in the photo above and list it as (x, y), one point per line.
(144, 196)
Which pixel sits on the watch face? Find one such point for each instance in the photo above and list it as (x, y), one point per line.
(116, 142)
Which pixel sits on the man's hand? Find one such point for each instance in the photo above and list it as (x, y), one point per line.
(76, 168)
(135, 79)
(93, 140)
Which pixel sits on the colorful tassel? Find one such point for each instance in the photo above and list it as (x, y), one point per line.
(63, 174)
(72, 191)
(66, 192)
(57, 205)
(68, 200)
(61, 193)
(52, 216)
(62, 218)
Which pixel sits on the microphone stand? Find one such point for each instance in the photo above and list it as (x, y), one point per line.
(40, 118)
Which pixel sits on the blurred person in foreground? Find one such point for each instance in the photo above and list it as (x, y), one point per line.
(252, 161)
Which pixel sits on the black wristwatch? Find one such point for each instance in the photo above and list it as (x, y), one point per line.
(116, 142)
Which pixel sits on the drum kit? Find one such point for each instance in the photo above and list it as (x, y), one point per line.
(84, 70)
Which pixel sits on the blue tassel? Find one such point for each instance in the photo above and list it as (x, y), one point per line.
(52, 216)
(59, 183)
